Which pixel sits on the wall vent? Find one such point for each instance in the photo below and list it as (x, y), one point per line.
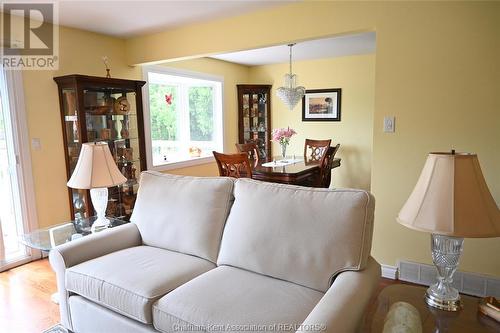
(467, 283)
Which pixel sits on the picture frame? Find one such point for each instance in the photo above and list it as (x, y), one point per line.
(321, 105)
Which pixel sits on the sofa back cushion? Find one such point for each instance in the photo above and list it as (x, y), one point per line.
(183, 214)
(302, 235)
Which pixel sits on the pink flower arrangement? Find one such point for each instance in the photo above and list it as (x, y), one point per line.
(282, 135)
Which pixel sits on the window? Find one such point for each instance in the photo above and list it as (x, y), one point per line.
(183, 117)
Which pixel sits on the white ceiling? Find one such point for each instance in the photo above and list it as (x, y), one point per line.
(363, 43)
(129, 18)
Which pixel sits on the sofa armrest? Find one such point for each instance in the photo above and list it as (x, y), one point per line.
(84, 249)
(342, 307)
(98, 244)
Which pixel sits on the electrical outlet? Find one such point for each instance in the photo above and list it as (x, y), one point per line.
(389, 124)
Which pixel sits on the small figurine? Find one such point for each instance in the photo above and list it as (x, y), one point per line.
(124, 131)
(105, 61)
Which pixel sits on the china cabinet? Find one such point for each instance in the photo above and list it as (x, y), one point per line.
(254, 116)
(103, 109)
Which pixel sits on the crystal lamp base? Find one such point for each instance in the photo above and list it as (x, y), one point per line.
(434, 300)
(99, 197)
(446, 252)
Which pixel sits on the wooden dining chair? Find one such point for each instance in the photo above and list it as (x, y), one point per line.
(315, 149)
(233, 165)
(325, 174)
(250, 149)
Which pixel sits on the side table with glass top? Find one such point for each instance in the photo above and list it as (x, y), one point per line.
(48, 238)
(467, 320)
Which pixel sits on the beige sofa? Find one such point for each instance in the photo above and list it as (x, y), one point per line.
(217, 254)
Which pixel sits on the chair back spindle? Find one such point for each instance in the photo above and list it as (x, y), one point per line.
(325, 176)
(250, 149)
(315, 149)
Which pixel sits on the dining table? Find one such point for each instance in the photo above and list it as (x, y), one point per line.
(295, 171)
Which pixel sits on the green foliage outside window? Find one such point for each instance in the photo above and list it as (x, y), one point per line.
(201, 113)
(163, 116)
(164, 123)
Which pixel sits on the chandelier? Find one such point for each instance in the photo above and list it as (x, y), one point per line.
(290, 94)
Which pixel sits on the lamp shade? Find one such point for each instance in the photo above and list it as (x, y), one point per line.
(451, 198)
(96, 168)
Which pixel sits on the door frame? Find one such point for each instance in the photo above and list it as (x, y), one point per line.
(19, 124)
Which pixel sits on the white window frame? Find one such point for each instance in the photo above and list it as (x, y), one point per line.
(218, 125)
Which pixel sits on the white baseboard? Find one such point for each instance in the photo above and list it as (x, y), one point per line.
(389, 272)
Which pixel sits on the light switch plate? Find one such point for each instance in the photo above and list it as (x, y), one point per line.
(36, 144)
(389, 124)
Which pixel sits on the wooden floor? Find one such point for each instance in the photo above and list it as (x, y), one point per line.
(25, 304)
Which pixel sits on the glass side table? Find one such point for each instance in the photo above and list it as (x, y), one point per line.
(433, 320)
(48, 238)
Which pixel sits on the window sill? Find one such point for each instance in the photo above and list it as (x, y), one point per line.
(183, 164)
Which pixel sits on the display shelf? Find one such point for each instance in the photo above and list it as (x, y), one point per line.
(109, 110)
(254, 116)
(113, 115)
(116, 139)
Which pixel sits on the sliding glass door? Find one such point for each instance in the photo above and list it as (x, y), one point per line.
(13, 218)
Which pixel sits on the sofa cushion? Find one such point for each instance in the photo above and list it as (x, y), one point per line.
(298, 234)
(87, 316)
(233, 300)
(130, 280)
(183, 214)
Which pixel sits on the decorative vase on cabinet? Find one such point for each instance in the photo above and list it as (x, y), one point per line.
(110, 110)
(254, 117)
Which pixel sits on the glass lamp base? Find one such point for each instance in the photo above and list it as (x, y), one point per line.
(99, 224)
(446, 252)
(442, 304)
(99, 197)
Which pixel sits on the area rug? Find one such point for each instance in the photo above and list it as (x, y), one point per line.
(56, 329)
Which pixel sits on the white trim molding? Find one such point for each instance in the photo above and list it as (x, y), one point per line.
(20, 125)
(184, 164)
(389, 272)
(15, 91)
(15, 263)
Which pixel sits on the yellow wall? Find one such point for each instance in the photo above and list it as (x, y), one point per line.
(437, 72)
(356, 76)
(80, 52)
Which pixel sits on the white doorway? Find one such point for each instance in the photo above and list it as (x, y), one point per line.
(17, 207)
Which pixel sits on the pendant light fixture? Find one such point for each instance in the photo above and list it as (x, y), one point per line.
(290, 94)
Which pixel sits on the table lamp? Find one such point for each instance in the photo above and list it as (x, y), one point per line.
(451, 201)
(96, 170)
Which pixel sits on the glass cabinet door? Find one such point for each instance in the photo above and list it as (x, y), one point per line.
(254, 113)
(79, 198)
(111, 116)
(99, 109)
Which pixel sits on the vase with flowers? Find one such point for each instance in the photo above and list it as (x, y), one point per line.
(283, 135)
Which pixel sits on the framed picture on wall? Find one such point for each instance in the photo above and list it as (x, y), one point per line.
(321, 105)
